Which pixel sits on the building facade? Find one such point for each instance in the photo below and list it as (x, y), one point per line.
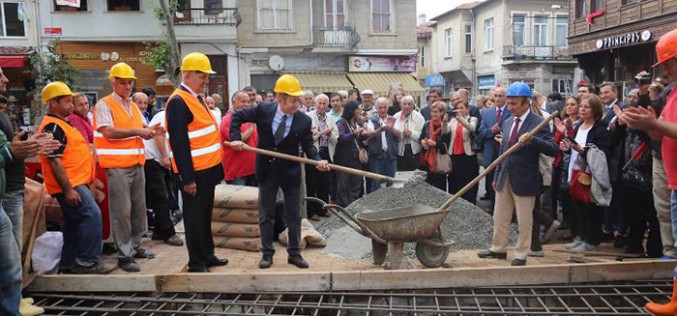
(329, 45)
(614, 40)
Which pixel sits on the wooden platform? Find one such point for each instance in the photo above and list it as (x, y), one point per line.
(166, 273)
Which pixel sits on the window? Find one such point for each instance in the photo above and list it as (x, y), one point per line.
(12, 17)
(563, 86)
(540, 30)
(447, 42)
(562, 27)
(580, 8)
(421, 54)
(335, 14)
(123, 5)
(83, 7)
(381, 16)
(596, 5)
(489, 34)
(274, 14)
(213, 7)
(624, 2)
(518, 29)
(468, 38)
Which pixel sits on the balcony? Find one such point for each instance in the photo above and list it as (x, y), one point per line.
(346, 38)
(536, 53)
(212, 16)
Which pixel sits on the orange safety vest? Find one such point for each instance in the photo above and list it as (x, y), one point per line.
(77, 159)
(203, 134)
(120, 153)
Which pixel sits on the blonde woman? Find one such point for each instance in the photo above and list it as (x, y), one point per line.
(463, 159)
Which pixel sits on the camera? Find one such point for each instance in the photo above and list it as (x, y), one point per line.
(643, 78)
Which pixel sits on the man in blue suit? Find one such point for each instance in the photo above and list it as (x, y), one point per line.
(283, 129)
(491, 125)
(518, 179)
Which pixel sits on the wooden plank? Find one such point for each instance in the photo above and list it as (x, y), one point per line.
(244, 282)
(93, 283)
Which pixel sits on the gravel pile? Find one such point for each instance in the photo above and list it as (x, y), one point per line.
(467, 225)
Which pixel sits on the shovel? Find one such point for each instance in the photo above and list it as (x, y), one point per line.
(388, 180)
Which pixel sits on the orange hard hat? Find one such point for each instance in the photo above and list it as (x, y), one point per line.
(666, 48)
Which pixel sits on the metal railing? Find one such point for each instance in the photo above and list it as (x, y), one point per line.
(524, 52)
(208, 16)
(346, 38)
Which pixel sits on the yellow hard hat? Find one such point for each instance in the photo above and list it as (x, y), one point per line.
(197, 62)
(289, 85)
(121, 70)
(55, 89)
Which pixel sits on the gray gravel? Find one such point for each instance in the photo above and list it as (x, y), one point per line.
(467, 225)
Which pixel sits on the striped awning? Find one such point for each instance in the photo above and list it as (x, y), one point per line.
(323, 82)
(380, 83)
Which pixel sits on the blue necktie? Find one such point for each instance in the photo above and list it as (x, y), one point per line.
(279, 132)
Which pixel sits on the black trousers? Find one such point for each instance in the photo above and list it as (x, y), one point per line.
(541, 218)
(157, 196)
(408, 161)
(589, 221)
(317, 185)
(197, 217)
(268, 189)
(638, 210)
(465, 169)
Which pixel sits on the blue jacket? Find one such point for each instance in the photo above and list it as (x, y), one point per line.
(375, 149)
(488, 120)
(522, 166)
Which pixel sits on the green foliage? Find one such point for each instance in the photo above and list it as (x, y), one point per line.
(48, 66)
(158, 55)
(174, 5)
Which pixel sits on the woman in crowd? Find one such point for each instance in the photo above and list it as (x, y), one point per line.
(347, 154)
(564, 128)
(435, 140)
(490, 103)
(591, 131)
(463, 159)
(325, 136)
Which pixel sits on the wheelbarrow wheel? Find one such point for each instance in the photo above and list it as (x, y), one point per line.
(432, 256)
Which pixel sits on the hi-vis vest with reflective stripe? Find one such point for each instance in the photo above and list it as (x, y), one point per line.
(203, 134)
(120, 153)
(77, 159)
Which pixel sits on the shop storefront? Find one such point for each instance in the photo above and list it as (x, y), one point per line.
(383, 73)
(485, 83)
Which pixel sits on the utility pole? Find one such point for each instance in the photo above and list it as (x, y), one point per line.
(171, 40)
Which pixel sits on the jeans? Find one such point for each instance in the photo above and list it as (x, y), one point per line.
(13, 204)
(673, 211)
(385, 166)
(10, 269)
(249, 180)
(81, 229)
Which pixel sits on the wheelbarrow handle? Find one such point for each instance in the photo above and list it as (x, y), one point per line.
(347, 218)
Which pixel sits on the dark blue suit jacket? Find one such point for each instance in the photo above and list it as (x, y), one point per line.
(300, 135)
(488, 120)
(522, 166)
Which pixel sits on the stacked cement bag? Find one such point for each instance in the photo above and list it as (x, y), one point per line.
(235, 219)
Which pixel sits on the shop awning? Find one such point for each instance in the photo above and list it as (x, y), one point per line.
(380, 82)
(321, 82)
(13, 61)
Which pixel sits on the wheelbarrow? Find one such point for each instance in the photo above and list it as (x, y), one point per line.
(390, 229)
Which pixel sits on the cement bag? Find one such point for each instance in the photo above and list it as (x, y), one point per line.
(309, 236)
(236, 215)
(235, 230)
(249, 244)
(236, 196)
(47, 253)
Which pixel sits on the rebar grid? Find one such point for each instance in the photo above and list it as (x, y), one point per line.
(618, 298)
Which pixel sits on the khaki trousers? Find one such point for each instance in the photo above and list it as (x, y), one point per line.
(506, 203)
(127, 205)
(661, 201)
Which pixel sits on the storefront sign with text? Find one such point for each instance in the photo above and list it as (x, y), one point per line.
(382, 63)
(623, 39)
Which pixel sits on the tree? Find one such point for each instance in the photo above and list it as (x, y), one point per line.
(165, 54)
(48, 66)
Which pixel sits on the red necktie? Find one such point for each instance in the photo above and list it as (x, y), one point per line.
(498, 116)
(513, 133)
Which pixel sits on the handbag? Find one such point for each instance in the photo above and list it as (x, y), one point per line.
(362, 153)
(635, 178)
(580, 186)
(476, 142)
(443, 162)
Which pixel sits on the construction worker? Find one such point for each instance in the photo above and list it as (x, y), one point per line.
(282, 128)
(195, 152)
(68, 171)
(119, 130)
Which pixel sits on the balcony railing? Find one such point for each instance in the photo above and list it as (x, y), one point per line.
(346, 38)
(524, 52)
(204, 16)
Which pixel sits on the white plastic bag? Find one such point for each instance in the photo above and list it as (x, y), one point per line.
(47, 253)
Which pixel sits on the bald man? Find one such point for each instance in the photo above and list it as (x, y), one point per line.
(141, 100)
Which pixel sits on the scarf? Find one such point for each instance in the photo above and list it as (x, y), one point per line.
(435, 128)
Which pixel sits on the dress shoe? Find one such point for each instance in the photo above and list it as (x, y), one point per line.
(539, 254)
(216, 262)
(619, 242)
(488, 254)
(298, 262)
(143, 253)
(266, 262)
(129, 265)
(198, 270)
(174, 241)
(518, 262)
(97, 268)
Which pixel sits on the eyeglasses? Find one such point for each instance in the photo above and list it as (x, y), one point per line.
(585, 107)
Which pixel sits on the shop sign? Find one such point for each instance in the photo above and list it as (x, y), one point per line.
(526, 73)
(105, 56)
(382, 63)
(623, 39)
(70, 3)
(434, 80)
(486, 82)
(52, 31)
